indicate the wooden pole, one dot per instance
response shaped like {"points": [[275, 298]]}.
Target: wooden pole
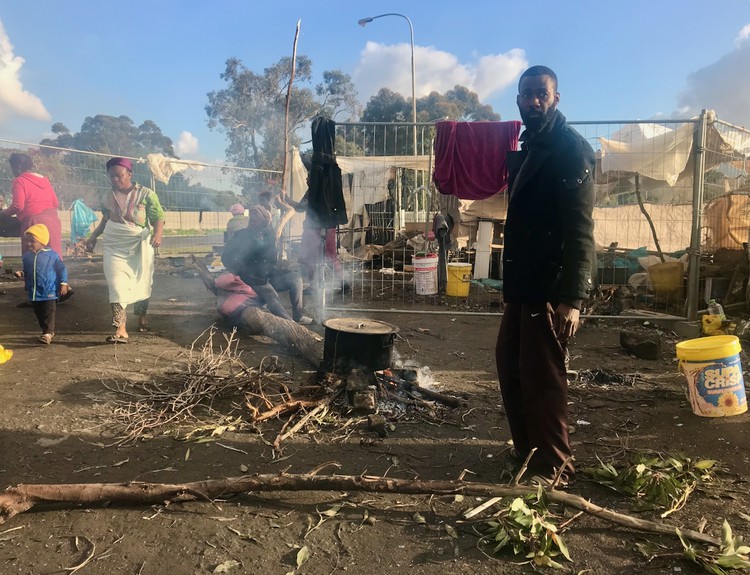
{"points": [[286, 111], [20, 498]]}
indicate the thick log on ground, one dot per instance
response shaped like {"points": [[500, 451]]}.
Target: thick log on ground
{"points": [[21, 498], [284, 331]]}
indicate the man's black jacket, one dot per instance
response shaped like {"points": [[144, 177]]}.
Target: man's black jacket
{"points": [[549, 232], [251, 254]]}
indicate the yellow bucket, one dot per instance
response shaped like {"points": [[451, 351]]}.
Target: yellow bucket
{"points": [[666, 281], [713, 371], [459, 279]]}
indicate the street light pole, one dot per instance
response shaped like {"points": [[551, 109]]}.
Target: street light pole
{"points": [[363, 22]]}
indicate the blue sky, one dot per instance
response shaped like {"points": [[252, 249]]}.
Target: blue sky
{"points": [[63, 60]]}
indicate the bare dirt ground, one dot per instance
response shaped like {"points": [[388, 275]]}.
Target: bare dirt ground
{"points": [[55, 407]]}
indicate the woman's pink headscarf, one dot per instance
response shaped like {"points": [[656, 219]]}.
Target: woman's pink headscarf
{"points": [[237, 210], [124, 162]]}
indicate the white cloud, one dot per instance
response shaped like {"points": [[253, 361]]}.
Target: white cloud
{"points": [[723, 86], [389, 66], [14, 100], [743, 35], [186, 145]]}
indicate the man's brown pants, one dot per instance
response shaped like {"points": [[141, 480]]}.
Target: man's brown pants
{"points": [[533, 383]]}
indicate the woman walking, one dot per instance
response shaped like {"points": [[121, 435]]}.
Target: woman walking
{"points": [[129, 212]]}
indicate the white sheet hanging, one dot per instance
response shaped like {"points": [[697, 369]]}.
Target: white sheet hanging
{"points": [[651, 150]]}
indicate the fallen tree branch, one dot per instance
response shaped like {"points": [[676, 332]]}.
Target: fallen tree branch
{"points": [[22, 497]]}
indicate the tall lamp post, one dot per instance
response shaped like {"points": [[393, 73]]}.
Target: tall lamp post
{"points": [[363, 22]]}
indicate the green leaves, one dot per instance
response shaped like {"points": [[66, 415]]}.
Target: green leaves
{"points": [[656, 481], [524, 527], [731, 555]]}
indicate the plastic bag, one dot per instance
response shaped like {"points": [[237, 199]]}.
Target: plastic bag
{"points": [[81, 219], [712, 325]]}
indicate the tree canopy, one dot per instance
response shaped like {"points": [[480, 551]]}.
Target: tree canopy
{"points": [[459, 104], [83, 176], [250, 110], [118, 136]]}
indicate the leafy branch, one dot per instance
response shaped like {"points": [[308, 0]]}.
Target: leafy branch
{"points": [[732, 554], [656, 481], [524, 526]]}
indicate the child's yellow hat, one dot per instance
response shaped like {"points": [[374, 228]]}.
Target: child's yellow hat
{"points": [[40, 233]]}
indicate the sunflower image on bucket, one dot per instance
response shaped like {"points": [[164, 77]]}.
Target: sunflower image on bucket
{"points": [[712, 367]]}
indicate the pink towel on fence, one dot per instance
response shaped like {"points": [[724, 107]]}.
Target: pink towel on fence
{"points": [[470, 157]]}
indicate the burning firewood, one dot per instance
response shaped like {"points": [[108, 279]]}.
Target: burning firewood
{"points": [[390, 378]]}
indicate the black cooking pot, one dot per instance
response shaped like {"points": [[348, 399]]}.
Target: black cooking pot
{"points": [[353, 343]]}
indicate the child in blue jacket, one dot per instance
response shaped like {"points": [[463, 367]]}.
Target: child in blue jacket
{"points": [[46, 279]]}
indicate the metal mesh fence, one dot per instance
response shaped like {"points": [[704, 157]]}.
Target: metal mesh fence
{"points": [[672, 215], [196, 197], [669, 195]]}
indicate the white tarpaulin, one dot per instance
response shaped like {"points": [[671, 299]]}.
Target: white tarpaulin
{"points": [[353, 163], [295, 185], [163, 168], [370, 175], [651, 150], [369, 185], [627, 226]]}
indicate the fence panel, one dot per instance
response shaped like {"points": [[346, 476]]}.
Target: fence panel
{"points": [[196, 197], [645, 189], [644, 216]]}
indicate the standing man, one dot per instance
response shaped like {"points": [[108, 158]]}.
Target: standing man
{"points": [[547, 263]]}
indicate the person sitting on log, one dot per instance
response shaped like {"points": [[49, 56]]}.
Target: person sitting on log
{"points": [[239, 305], [252, 255]]}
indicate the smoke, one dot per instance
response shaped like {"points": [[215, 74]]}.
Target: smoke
{"points": [[186, 144], [435, 70], [14, 100], [723, 86]]}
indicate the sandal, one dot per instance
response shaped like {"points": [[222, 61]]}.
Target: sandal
{"points": [[46, 338], [66, 297], [116, 339]]}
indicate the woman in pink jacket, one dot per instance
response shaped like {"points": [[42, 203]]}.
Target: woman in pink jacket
{"points": [[34, 201]]}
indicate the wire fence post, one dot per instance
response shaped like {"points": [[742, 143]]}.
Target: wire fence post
{"points": [[699, 145]]}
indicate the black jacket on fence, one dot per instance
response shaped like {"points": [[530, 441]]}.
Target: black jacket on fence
{"points": [[549, 232], [325, 194]]}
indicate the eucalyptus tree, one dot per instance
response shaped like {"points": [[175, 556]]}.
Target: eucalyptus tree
{"points": [[251, 109]]}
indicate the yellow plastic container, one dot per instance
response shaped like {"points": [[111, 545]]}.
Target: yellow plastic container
{"points": [[5, 354], [459, 279], [666, 281], [713, 371]]}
